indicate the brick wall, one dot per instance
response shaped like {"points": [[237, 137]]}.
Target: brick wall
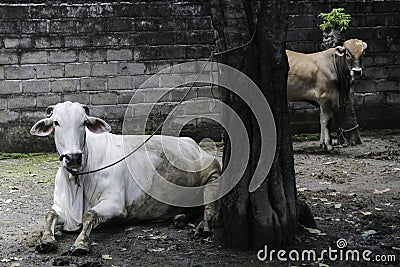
{"points": [[94, 52], [377, 93], [99, 53]]}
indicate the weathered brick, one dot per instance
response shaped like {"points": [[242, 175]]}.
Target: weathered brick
{"points": [[62, 56], [120, 83], [50, 71], [34, 57], [78, 70], [125, 97], [35, 86], [104, 99], [43, 101], [47, 42], [119, 55], [20, 72], [93, 84], [64, 85], [8, 58], [63, 26], [387, 86], [115, 112], [127, 69], [1, 73], [171, 80], [8, 116], [17, 42], [374, 99], [92, 55], [145, 81], [76, 41], [393, 98], [10, 87], [105, 69], [21, 102], [3, 103], [34, 27], [83, 98]]}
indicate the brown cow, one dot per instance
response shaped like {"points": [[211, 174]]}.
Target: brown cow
{"points": [[324, 78]]}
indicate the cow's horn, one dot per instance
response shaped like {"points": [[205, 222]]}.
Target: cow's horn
{"points": [[339, 50], [86, 108], [49, 111]]}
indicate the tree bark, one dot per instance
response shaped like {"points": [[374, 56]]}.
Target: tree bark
{"points": [[269, 215]]}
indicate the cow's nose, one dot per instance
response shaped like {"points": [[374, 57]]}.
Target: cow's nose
{"points": [[73, 159]]}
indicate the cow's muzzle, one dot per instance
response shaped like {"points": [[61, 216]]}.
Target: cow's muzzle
{"points": [[72, 160], [356, 71]]}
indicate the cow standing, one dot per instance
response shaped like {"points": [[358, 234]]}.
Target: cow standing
{"points": [[85, 201], [324, 79]]}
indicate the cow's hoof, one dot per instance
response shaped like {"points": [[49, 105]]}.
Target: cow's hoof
{"points": [[180, 221], [79, 249], [202, 230], [45, 245]]}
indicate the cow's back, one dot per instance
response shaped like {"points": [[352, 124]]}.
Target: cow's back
{"points": [[179, 161], [310, 75]]}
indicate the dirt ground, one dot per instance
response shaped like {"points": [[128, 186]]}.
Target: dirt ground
{"points": [[353, 194]]}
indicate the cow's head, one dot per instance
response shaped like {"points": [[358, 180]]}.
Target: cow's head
{"points": [[69, 121], [353, 49]]}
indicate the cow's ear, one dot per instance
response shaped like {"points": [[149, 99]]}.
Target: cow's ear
{"points": [[96, 125], [43, 127], [364, 45], [340, 50]]}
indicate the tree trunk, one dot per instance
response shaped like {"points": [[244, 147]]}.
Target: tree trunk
{"points": [[348, 132], [269, 215]]}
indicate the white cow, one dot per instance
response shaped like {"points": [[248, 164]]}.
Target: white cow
{"points": [[85, 201]]}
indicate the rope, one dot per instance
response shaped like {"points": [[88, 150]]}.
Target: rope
{"points": [[150, 136], [213, 53], [343, 131]]}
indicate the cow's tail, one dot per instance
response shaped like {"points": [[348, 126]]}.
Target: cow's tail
{"points": [[344, 78]]}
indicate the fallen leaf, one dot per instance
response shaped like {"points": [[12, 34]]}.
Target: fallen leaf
{"points": [[366, 213], [329, 163], [106, 257], [302, 189], [8, 201], [378, 192], [155, 249], [159, 237], [378, 209], [338, 206], [396, 248], [312, 230], [368, 233]]}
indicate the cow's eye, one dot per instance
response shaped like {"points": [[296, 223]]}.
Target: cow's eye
{"points": [[56, 123]]}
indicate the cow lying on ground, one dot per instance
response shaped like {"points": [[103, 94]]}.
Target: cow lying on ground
{"points": [[324, 78], [85, 201]]}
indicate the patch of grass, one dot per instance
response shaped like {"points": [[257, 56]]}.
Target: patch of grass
{"points": [[305, 137], [4, 156], [35, 167]]}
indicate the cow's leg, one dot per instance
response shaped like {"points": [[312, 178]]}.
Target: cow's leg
{"points": [[325, 117], [90, 220], [100, 213], [48, 242], [204, 227]]}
